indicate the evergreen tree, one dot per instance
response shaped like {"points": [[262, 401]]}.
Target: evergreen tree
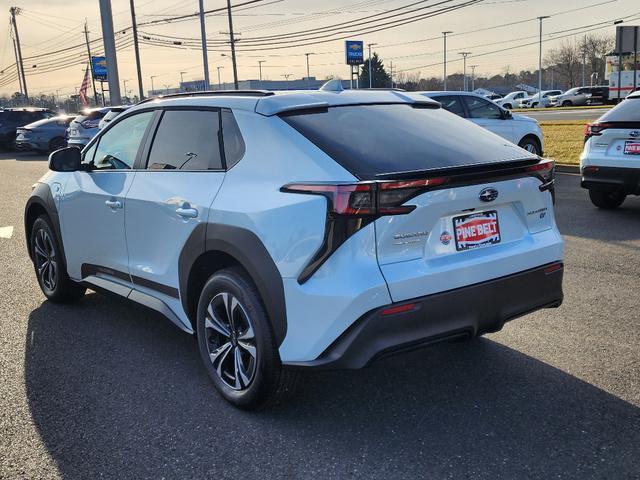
{"points": [[380, 77]]}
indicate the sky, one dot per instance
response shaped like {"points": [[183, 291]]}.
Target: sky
{"points": [[51, 25]]}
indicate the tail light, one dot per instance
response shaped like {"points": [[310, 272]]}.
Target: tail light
{"points": [[545, 172], [352, 206], [594, 130], [367, 199], [90, 123]]}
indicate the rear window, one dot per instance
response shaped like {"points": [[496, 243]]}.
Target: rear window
{"points": [[626, 111], [94, 115], [371, 140]]}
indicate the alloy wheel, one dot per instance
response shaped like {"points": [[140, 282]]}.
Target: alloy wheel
{"points": [[230, 340], [46, 261]]}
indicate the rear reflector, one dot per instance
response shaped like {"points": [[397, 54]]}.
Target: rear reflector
{"points": [[407, 307], [553, 268]]}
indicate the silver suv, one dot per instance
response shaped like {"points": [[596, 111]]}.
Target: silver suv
{"points": [[575, 97]]}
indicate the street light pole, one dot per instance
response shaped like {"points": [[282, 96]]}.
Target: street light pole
{"points": [[260, 62], [473, 77], [205, 56], [464, 69], [124, 85], [308, 81], [444, 34], [152, 88], [181, 79], [219, 83], [370, 78], [540, 61]]}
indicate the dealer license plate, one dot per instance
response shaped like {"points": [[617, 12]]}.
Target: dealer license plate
{"points": [[632, 148], [476, 230]]}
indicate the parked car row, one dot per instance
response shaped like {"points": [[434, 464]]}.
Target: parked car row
{"points": [[41, 130], [574, 97]]}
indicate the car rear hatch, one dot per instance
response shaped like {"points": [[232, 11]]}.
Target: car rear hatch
{"points": [[615, 137], [468, 230], [451, 203]]}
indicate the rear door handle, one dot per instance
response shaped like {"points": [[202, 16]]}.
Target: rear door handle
{"points": [[187, 212], [113, 204]]}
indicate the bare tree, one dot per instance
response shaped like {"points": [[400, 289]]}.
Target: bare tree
{"points": [[567, 61], [596, 48]]}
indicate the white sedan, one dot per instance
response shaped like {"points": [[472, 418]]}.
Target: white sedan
{"points": [[523, 131]]}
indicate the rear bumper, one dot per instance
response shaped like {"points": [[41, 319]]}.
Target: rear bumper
{"points": [[466, 311], [625, 180]]}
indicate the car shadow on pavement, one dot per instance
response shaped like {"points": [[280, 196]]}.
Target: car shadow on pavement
{"points": [[576, 216], [116, 391], [23, 156]]}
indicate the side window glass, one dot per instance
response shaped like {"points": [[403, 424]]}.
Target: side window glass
{"points": [[118, 147], [233, 143], [480, 108], [187, 140], [87, 156], [452, 104]]}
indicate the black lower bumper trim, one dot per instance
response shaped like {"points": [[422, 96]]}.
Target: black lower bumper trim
{"points": [[612, 179], [466, 311]]}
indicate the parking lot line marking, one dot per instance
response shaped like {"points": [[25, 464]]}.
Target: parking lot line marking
{"points": [[6, 232]]}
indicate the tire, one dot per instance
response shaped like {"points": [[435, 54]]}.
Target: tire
{"points": [[57, 143], [241, 355], [567, 103], [606, 200], [531, 145], [49, 264], [508, 106]]}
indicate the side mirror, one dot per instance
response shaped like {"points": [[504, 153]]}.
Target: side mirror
{"points": [[507, 115], [66, 159]]}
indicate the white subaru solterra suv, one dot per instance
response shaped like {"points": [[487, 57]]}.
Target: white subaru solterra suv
{"points": [[300, 230]]}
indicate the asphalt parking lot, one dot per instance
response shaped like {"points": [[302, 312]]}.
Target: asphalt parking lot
{"points": [[107, 389]]}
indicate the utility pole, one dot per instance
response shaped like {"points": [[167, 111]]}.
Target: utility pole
{"points": [[308, 81], [391, 71], [540, 61], [15, 11], [444, 34], [260, 62], [473, 77], [233, 46], [205, 57], [370, 45], [93, 80], [15, 51], [136, 48], [464, 69], [110, 52]]}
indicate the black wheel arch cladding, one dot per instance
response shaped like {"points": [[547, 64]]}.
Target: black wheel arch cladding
{"points": [[250, 253], [41, 199]]}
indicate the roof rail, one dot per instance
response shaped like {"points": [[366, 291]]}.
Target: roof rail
{"points": [[236, 93]]}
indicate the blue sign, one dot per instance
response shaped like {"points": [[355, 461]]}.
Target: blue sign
{"points": [[99, 68], [354, 52]]}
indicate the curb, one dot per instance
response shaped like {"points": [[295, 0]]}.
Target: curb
{"points": [[567, 168]]}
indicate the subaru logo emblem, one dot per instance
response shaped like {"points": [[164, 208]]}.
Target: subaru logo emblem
{"points": [[488, 194], [634, 134]]}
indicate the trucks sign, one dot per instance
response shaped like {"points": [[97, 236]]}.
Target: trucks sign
{"points": [[354, 52], [99, 68]]}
